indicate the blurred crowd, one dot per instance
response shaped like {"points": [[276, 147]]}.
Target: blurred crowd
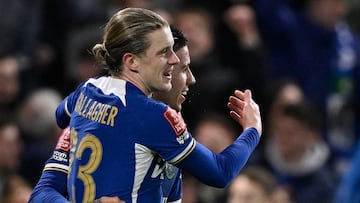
{"points": [[300, 58]]}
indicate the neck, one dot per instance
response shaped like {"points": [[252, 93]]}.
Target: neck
{"points": [[135, 80]]}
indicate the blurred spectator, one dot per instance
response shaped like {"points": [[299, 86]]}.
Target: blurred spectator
{"points": [[38, 125], [310, 42], [241, 20], [278, 94], [16, 190], [10, 149], [297, 154], [255, 185], [281, 93], [198, 26], [9, 84], [240, 48], [294, 149]]}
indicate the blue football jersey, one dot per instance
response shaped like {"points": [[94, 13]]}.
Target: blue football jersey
{"points": [[121, 141]]}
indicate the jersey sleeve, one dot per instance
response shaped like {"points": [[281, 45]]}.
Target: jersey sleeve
{"points": [[62, 114], [218, 170], [52, 185], [168, 136], [51, 188]]}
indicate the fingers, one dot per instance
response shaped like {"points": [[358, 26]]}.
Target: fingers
{"points": [[244, 110], [236, 106], [246, 95], [237, 103], [235, 116], [240, 94]]}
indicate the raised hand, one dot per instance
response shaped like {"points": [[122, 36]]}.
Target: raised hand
{"points": [[244, 110]]}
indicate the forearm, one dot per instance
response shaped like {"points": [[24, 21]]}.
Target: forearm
{"points": [[47, 195], [218, 170], [51, 188]]}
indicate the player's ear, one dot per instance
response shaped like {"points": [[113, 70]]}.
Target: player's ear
{"points": [[130, 61]]}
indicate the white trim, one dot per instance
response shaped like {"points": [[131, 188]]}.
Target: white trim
{"points": [[184, 153], [55, 165], [177, 201], [143, 160], [66, 109], [110, 85]]}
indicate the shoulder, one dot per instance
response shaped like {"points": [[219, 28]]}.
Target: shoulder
{"points": [[160, 116], [175, 120]]}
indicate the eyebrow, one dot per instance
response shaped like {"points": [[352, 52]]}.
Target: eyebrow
{"points": [[167, 48]]}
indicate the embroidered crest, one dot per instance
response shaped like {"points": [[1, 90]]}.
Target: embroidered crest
{"points": [[170, 171], [176, 121]]}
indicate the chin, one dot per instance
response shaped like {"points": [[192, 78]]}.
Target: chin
{"points": [[165, 88]]}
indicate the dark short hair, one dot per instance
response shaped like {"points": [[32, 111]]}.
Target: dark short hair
{"points": [[179, 39]]}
